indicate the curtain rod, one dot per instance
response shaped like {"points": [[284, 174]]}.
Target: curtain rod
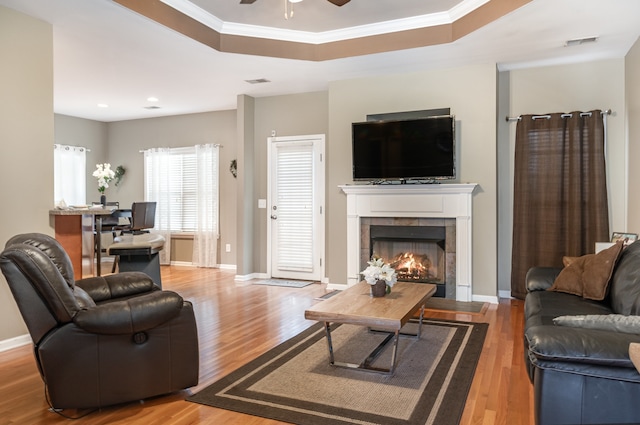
{"points": [[518, 118], [181, 147], [67, 147]]}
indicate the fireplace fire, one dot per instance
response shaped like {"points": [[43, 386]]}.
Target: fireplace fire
{"points": [[416, 253], [412, 267]]}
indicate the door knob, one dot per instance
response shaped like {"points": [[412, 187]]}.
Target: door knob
{"points": [[274, 217]]}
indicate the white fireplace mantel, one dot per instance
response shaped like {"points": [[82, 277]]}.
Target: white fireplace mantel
{"points": [[413, 201]]}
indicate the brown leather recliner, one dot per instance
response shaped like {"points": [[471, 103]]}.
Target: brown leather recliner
{"points": [[102, 340]]}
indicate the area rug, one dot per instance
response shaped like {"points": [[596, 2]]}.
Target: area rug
{"points": [[283, 282], [294, 382], [444, 304]]}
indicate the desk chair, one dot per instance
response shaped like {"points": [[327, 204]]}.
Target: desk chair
{"points": [[136, 249], [108, 222], [142, 217]]}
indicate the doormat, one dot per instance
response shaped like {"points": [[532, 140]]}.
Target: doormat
{"points": [[295, 383], [283, 282]]}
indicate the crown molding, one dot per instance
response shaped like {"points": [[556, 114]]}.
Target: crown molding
{"points": [[386, 27], [420, 31]]}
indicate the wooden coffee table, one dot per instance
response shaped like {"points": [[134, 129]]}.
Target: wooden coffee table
{"points": [[388, 314]]}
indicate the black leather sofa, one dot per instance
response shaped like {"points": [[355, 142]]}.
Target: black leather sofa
{"points": [[583, 374], [99, 341]]}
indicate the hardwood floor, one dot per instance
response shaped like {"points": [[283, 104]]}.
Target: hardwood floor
{"points": [[239, 321]]}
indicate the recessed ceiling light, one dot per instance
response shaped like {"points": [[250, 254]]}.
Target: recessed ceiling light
{"points": [[102, 105], [579, 41], [152, 99], [258, 81]]}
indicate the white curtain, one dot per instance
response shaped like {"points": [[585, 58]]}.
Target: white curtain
{"points": [[157, 167], [69, 175], [205, 239], [184, 184]]}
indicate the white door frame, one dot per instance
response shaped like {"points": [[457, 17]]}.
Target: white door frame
{"points": [[319, 194]]}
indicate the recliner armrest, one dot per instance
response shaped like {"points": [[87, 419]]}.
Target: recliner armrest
{"points": [[125, 284], [132, 315], [541, 278]]}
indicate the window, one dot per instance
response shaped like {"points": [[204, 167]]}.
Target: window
{"points": [[171, 180], [69, 175]]}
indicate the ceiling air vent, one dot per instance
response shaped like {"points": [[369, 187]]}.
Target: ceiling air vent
{"points": [[151, 107], [579, 41], [258, 81]]}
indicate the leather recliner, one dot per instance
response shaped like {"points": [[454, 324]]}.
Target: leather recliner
{"points": [[102, 340]]}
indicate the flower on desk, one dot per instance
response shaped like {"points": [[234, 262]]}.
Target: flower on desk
{"points": [[379, 270], [104, 174]]}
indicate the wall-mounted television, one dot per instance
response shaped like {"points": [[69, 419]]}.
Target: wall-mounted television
{"points": [[421, 149]]}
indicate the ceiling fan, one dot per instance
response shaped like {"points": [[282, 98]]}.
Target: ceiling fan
{"points": [[336, 2]]}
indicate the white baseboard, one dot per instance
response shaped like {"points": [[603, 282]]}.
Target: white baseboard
{"points": [[484, 299], [227, 266], [244, 278], [505, 294], [337, 286], [15, 342], [182, 264]]}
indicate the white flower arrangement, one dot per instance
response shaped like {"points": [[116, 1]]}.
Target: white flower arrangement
{"points": [[104, 174], [379, 270]]}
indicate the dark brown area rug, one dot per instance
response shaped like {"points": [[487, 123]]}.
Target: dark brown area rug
{"points": [[294, 382]]}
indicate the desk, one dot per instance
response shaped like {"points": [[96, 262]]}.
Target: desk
{"points": [[74, 231]]}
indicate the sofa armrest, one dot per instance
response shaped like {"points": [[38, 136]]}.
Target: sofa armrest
{"points": [[541, 278], [567, 344], [132, 315], [119, 285]]}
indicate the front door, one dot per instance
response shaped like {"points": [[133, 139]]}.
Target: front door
{"points": [[296, 207]]}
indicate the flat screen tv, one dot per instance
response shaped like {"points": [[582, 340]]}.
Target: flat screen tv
{"points": [[421, 149]]}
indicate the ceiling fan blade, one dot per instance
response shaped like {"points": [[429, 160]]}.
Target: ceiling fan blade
{"points": [[339, 2], [247, 1]]}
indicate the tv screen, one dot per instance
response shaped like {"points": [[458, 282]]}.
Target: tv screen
{"points": [[413, 149]]}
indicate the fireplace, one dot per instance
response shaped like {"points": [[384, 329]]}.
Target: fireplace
{"points": [[447, 204], [416, 248]]}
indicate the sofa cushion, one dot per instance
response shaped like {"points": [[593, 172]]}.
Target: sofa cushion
{"points": [[625, 284], [588, 276], [541, 307], [603, 322]]}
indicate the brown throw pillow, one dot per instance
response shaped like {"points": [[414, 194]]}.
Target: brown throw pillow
{"points": [[588, 276]]}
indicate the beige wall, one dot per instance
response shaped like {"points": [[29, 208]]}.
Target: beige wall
{"points": [[632, 85], [127, 138], [26, 134], [291, 115], [565, 88], [470, 92]]}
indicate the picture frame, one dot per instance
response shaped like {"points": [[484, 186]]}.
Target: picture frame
{"points": [[626, 237]]}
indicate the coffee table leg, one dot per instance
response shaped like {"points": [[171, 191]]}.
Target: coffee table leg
{"points": [[420, 322], [327, 330], [394, 353]]}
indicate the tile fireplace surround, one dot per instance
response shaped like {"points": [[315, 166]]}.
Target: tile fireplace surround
{"points": [[413, 201]]}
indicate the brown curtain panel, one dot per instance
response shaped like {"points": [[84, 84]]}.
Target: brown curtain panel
{"points": [[560, 191]]}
